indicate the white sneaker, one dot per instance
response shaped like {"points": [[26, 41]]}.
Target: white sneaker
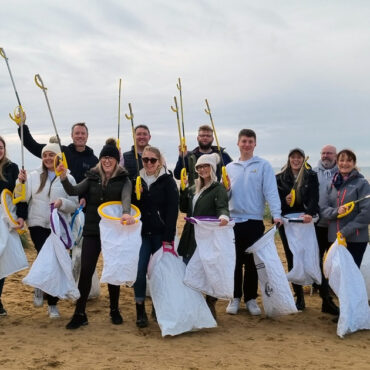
{"points": [[253, 307], [38, 298], [53, 312], [233, 306]]}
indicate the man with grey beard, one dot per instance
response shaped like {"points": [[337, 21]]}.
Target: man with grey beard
{"points": [[326, 168]]}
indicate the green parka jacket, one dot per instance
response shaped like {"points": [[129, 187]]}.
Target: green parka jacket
{"points": [[213, 201]]}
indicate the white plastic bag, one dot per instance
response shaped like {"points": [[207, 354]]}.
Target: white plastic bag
{"points": [[277, 297], [77, 224], [305, 249], [211, 268], [120, 246], [12, 256], [365, 269], [179, 309], [348, 284], [52, 270]]}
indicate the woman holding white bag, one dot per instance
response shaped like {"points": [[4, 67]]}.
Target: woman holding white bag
{"points": [[159, 210], [107, 181], [294, 173], [43, 187], [206, 198], [8, 175]]}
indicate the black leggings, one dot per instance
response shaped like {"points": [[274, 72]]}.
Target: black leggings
{"points": [[39, 235], [91, 247]]}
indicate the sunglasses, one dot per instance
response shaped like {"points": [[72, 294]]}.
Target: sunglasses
{"points": [[151, 160]]}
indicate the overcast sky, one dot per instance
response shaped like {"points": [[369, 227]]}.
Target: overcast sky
{"points": [[297, 72]]}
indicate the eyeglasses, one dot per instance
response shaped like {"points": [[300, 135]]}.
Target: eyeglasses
{"points": [[202, 167], [327, 153], [205, 135], [151, 160], [107, 158]]}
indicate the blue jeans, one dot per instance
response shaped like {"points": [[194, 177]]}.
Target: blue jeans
{"points": [[1, 285], [150, 244]]}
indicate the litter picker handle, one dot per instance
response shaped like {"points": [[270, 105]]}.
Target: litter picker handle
{"points": [[138, 187], [19, 193], [60, 158], [183, 178]]}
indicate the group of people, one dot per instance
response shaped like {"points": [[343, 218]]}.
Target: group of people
{"points": [[91, 181]]}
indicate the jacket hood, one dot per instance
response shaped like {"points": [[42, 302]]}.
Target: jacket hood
{"points": [[320, 167]]}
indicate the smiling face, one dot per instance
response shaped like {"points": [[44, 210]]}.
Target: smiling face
{"points": [[48, 160], [142, 138], [151, 162], [345, 164], [108, 165], [204, 171], [79, 136], [295, 161], [328, 156], [246, 146]]}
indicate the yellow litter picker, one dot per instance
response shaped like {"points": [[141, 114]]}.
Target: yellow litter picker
{"points": [[351, 205], [223, 168], [183, 174], [60, 157], [297, 181], [19, 193], [138, 178]]}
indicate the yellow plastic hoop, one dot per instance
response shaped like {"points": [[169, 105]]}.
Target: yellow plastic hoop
{"points": [[4, 193], [102, 214]]}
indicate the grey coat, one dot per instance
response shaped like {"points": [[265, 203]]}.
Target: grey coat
{"points": [[354, 226], [325, 177]]}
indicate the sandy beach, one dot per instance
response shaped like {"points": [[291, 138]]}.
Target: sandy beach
{"points": [[307, 340]]}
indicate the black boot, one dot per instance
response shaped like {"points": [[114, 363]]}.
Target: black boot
{"points": [[2, 310], [116, 317], [300, 303], [78, 319], [141, 317], [211, 301], [328, 306]]}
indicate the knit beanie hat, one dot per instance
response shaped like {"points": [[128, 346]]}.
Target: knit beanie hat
{"points": [[211, 159], [52, 146], [109, 151]]}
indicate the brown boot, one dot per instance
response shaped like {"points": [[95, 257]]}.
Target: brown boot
{"points": [[211, 301]]}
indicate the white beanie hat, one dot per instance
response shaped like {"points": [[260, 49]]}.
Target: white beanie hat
{"points": [[52, 146], [211, 159]]}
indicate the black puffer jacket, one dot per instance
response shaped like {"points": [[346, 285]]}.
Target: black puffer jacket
{"points": [[10, 172], [117, 189], [159, 207], [309, 192]]}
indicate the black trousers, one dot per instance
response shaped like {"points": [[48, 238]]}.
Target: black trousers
{"points": [[246, 234], [324, 245], [91, 247], [298, 290], [357, 250], [39, 235]]}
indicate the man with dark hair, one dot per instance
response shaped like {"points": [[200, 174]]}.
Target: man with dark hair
{"points": [[79, 156], [252, 183], [142, 138], [205, 139]]}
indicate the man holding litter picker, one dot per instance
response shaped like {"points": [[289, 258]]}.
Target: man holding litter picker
{"points": [[205, 140], [79, 156]]}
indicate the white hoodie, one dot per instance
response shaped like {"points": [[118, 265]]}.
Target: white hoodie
{"points": [[39, 203]]}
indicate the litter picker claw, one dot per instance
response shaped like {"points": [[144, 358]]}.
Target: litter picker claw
{"points": [[19, 193], [138, 178], [183, 174], [225, 180], [60, 157]]}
